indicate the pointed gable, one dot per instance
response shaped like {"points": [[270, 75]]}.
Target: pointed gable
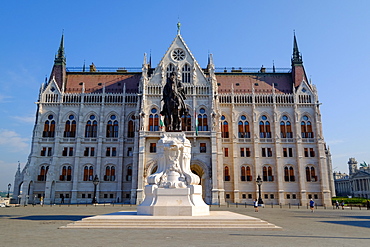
{"points": [[179, 58]]}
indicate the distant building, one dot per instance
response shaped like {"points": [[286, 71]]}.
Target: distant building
{"points": [[242, 123], [356, 184]]}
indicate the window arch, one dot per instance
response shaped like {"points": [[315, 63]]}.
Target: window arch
{"points": [[170, 68], [66, 173], [246, 174], [91, 128], [186, 122], [186, 73], [289, 174], [43, 172], [153, 120], [311, 174], [226, 173], [202, 120], [70, 127], [265, 128], [224, 127], [129, 173], [49, 127], [285, 128], [267, 174], [88, 173], [112, 127], [306, 127], [131, 127], [243, 127], [110, 173]]}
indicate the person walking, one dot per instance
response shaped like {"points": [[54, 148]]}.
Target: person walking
{"points": [[336, 205], [312, 205], [62, 198], [255, 205], [342, 204]]}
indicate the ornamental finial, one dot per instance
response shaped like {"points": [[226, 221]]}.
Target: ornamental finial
{"points": [[178, 27]]}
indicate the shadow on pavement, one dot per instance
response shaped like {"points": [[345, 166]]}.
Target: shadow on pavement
{"points": [[296, 236], [365, 224], [52, 217]]}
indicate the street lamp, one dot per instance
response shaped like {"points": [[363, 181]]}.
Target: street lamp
{"points": [[95, 182], [259, 183], [9, 185]]}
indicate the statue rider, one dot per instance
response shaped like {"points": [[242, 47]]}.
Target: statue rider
{"points": [[174, 102]]}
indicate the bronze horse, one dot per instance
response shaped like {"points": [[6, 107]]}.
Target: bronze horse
{"points": [[174, 105]]}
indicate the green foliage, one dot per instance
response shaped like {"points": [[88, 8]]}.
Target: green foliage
{"points": [[350, 201]]}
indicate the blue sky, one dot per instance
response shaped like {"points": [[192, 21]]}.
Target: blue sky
{"points": [[333, 38]]}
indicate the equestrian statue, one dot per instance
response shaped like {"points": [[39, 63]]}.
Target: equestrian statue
{"points": [[174, 103]]}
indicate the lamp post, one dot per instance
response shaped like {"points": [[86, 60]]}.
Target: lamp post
{"points": [[9, 185], [259, 183], [95, 182]]}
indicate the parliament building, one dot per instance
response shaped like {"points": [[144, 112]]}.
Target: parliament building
{"points": [[242, 123]]}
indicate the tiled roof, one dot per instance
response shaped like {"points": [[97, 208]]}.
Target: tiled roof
{"points": [[262, 83], [114, 82]]}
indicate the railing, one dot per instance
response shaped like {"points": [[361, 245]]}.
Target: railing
{"points": [[104, 69], [252, 70]]}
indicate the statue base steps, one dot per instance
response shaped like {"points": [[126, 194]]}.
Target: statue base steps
{"points": [[130, 220], [173, 201]]}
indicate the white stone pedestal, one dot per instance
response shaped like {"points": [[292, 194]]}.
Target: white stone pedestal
{"points": [[173, 190]]}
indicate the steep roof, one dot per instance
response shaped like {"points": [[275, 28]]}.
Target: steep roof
{"points": [[94, 82], [261, 82]]}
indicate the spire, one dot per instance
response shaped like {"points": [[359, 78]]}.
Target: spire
{"points": [[273, 66], [60, 57], [297, 57]]}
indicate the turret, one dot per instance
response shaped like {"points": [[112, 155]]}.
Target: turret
{"points": [[352, 166]]}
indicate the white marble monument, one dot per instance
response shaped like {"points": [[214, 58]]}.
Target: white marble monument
{"points": [[173, 190]]}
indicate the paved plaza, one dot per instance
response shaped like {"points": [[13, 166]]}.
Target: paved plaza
{"points": [[38, 226]]}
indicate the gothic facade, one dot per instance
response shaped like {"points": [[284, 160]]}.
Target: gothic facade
{"points": [[242, 123]]}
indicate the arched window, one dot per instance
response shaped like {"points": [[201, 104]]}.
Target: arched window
{"points": [[110, 173], [153, 120], [129, 173], [43, 172], [112, 127], [186, 122], [267, 174], [202, 120], [226, 173], [243, 174], [311, 174], [224, 127], [170, 69], [88, 173], [246, 173], [289, 174], [49, 127], [66, 174], [91, 128], [186, 73], [285, 128], [243, 128], [306, 128], [265, 129], [131, 127], [70, 127]]}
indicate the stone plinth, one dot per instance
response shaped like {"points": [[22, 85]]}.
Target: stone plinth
{"points": [[173, 190]]}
